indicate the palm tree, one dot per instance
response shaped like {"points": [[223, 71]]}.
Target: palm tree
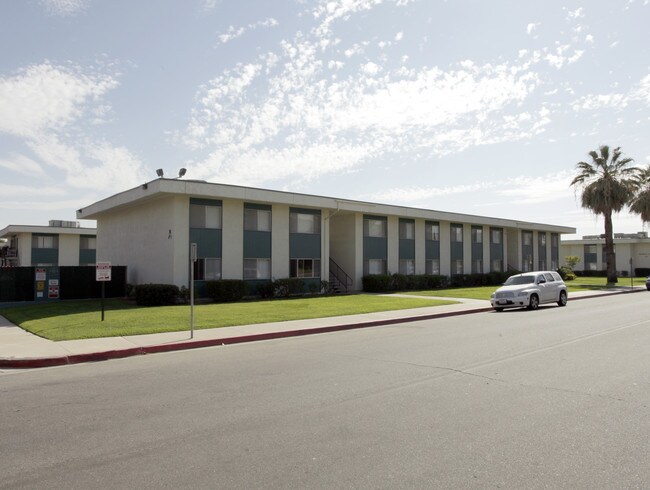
{"points": [[608, 185], [641, 202]]}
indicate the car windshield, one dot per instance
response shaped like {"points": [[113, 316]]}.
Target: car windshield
{"points": [[516, 280]]}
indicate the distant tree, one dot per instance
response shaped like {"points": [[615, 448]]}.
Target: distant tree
{"points": [[641, 201], [571, 261], [607, 185]]}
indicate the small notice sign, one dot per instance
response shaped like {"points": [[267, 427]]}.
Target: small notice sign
{"points": [[40, 275], [103, 271]]}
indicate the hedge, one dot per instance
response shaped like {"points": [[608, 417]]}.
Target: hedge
{"points": [[156, 294], [226, 290]]}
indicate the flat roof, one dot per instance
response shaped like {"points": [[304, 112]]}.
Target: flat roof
{"points": [[162, 187], [59, 230]]}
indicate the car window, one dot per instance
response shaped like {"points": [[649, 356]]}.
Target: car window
{"points": [[549, 277], [540, 279], [556, 276], [517, 280]]}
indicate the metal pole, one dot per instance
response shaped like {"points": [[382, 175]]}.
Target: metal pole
{"points": [[192, 261], [103, 294]]}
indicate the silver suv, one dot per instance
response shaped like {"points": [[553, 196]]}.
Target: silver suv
{"points": [[529, 290]]}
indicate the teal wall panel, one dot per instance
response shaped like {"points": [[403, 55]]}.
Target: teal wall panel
{"points": [[375, 248], [257, 244], [406, 249], [304, 246], [456, 250], [208, 242], [432, 249], [45, 256], [87, 256]]}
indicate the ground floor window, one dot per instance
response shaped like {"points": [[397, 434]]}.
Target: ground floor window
{"points": [[304, 268], [407, 267], [477, 266], [457, 266], [207, 269], [497, 265], [374, 266], [542, 265], [527, 265], [432, 267], [257, 268], [554, 264]]}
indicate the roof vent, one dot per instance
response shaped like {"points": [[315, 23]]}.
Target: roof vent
{"points": [[64, 224]]}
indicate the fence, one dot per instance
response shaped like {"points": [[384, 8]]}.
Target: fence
{"points": [[20, 283]]}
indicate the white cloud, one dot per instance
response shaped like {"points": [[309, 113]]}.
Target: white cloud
{"points": [[577, 13], [9, 191], [22, 165], [43, 97], [64, 8], [399, 36], [234, 33], [531, 27]]}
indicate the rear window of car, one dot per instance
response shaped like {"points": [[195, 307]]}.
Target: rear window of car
{"points": [[549, 277], [557, 276]]}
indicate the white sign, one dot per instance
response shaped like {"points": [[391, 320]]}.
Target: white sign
{"points": [[103, 271]]}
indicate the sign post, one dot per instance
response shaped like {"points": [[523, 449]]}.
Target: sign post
{"points": [[103, 274], [193, 257]]}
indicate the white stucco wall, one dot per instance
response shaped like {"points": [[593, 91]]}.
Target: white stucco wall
{"points": [[232, 258], [143, 238], [344, 244], [280, 242], [68, 250]]}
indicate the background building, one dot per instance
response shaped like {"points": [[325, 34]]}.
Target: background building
{"points": [[258, 234], [632, 252], [61, 243]]}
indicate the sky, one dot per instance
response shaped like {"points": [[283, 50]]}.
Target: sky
{"points": [[470, 106]]}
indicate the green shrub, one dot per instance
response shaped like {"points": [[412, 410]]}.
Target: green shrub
{"points": [[226, 290], [641, 272], [156, 294], [377, 283], [566, 273], [283, 288], [265, 290]]}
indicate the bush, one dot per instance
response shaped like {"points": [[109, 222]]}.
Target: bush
{"points": [[283, 288], [265, 290], [156, 294], [566, 273], [226, 290], [377, 283], [641, 272]]}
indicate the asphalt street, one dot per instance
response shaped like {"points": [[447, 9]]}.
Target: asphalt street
{"points": [[553, 398]]}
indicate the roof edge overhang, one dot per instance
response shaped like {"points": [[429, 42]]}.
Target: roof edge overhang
{"points": [[160, 188]]}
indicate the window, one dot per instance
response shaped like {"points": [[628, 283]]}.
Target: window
{"points": [[527, 237], [204, 216], [432, 231], [207, 269], [407, 230], [549, 277], [528, 263], [257, 219], [257, 269], [374, 227], [457, 266], [542, 239], [477, 235], [590, 249], [554, 240], [496, 236], [477, 266], [457, 233], [407, 267], [45, 241], [497, 265], [304, 268], [542, 265], [304, 223], [374, 266], [554, 264], [433, 267], [87, 242]]}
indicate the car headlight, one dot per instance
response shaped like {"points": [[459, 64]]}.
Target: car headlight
{"points": [[492, 296], [522, 293]]}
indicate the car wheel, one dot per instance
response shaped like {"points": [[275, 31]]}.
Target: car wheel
{"points": [[534, 302], [498, 310], [563, 299]]}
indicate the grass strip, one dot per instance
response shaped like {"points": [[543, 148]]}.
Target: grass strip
{"points": [[71, 320]]}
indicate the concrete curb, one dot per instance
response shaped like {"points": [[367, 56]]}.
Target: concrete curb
{"points": [[40, 362]]}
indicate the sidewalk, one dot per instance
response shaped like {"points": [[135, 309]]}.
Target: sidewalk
{"points": [[21, 349]]}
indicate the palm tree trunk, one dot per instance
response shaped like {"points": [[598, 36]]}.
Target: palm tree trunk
{"points": [[609, 250]]}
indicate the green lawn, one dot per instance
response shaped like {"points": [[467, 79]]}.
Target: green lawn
{"points": [[69, 320], [484, 292]]}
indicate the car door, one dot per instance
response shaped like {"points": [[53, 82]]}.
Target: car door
{"points": [[542, 285], [552, 287]]}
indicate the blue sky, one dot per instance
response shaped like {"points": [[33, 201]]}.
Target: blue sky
{"points": [[471, 106]]}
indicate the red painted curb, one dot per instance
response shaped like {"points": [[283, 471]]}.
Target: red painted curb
{"points": [[197, 344]]}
